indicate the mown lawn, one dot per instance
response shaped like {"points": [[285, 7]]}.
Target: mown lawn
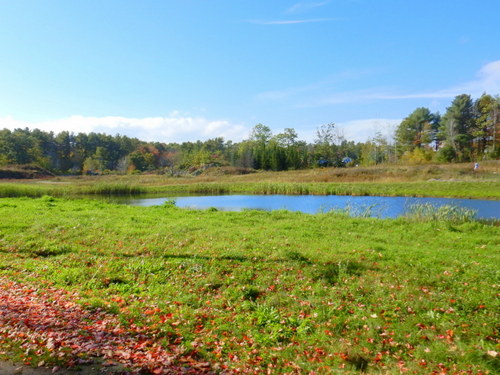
{"points": [[272, 291]]}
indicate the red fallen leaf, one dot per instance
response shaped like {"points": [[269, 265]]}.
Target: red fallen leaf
{"points": [[319, 351], [122, 354], [158, 371], [49, 319], [164, 318], [152, 311], [118, 300]]}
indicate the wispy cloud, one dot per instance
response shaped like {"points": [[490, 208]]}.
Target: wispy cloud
{"points": [[305, 6], [174, 128], [297, 8], [274, 95], [313, 89], [292, 22], [487, 80]]}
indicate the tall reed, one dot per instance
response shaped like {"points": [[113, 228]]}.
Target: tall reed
{"points": [[25, 190], [112, 189], [447, 213]]}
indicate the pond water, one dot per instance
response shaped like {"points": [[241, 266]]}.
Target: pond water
{"points": [[383, 207]]}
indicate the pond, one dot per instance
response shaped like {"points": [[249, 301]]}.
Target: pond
{"points": [[383, 207]]}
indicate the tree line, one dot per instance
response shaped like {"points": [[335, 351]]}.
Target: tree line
{"points": [[468, 131]]}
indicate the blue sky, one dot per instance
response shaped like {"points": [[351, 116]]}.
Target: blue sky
{"points": [[183, 70]]}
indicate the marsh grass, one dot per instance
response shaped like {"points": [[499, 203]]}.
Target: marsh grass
{"points": [[445, 213], [60, 190], [10, 190], [394, 173], [111, 189], [458, 189], [438, 180]]}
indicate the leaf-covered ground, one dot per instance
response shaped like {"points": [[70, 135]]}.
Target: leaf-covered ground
{"points": [[49, 322]]}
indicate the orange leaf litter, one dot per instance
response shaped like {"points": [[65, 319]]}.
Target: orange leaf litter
{"points": [[49, 320]]}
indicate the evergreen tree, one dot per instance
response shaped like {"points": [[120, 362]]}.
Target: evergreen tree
{"points": [[458, 126], [486, 133]]}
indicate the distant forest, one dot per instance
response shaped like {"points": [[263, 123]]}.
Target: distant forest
{"points": [[468, 131]]}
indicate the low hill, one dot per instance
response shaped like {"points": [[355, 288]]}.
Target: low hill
{"points": [[28, 171]]}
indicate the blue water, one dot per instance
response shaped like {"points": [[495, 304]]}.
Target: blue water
{"points": [[384, 207]]}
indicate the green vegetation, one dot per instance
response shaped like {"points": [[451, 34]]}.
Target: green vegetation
{"points": [[272, 291], [468, 131]]}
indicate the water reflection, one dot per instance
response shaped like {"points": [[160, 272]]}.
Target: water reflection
{"points": [[383, 207]]}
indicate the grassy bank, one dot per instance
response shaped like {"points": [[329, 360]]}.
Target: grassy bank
{"points": [[451, 189], [455, 181], [275, 291]]}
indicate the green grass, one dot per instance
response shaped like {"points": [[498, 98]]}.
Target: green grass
{"points": [[272, 290]]}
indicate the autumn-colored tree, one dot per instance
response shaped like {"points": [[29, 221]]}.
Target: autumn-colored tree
{"points": [[418, 130]]}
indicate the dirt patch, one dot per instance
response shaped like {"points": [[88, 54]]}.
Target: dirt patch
{"points": [[9, 368], [14, 369]]}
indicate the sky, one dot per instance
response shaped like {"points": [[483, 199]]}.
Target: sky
{"points": [[187, 70]]}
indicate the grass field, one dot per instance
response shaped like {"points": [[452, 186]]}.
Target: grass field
{"points": [[276, 292]]}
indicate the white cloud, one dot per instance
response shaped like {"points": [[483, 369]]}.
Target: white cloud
{"points": [[358, 130], [181, 129], [301, 7], [488, 80], [291, 22], [174, 128], [362, 130]]}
